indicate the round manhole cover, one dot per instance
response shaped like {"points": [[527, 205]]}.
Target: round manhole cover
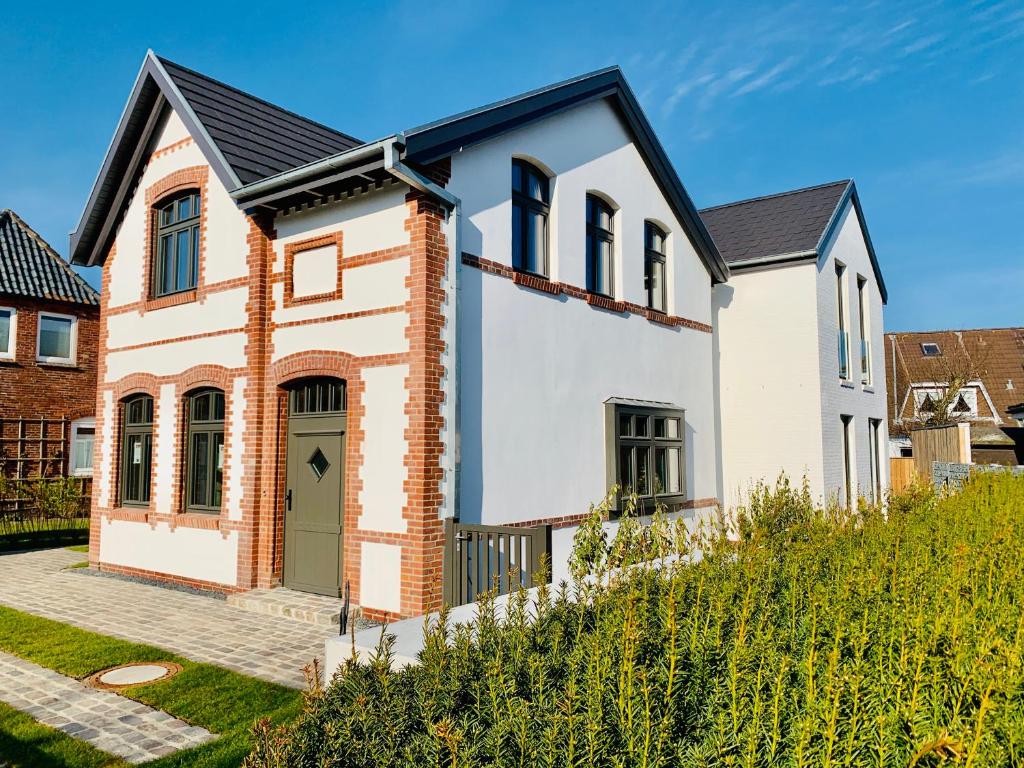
{"points": [[139, 673]]}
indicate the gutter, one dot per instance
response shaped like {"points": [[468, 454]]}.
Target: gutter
{"points": [[778, 258], [393, 164]]}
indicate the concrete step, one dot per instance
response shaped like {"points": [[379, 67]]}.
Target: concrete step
{"points": [[287, 603]]}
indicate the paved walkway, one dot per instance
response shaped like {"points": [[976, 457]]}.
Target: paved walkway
{"points": [[197, 627], [109, 722]]}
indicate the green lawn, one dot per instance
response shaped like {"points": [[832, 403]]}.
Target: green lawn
{"points": [[222, 701]]}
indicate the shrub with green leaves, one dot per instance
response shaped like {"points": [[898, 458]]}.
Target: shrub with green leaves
{"points": [[814, 637]]}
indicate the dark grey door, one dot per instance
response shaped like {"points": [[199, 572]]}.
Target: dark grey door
{"points": [[314, 496]]}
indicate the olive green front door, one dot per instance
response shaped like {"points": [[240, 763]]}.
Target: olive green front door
{"points": [[313, 503]]}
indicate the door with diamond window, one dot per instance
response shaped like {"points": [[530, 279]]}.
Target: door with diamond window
{"points": [[315, 491]]}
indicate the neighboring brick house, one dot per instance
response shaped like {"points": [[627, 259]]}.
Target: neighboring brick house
{"points": [[49, 319], [920, 365], [798, 332], [316, 351]]}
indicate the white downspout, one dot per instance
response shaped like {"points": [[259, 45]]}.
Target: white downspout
{"points": [[416, 180]]}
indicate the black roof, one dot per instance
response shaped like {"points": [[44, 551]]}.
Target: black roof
{"points": [[30, 268], [788, 222], [255, 137], [787, 226]]}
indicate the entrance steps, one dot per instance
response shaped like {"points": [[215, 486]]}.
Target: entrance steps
{"points": [[287, 603]]}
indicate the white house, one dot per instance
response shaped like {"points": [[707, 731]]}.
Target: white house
{"points": [[401, 365], [798, 345]]}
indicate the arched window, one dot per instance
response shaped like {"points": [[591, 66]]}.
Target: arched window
{"points": [[531, 202], [205, 445], [654, 266], [600, 246], [176, 267], [137, 450]]}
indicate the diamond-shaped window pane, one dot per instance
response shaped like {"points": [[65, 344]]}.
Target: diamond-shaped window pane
{"points": [[318, 463]]}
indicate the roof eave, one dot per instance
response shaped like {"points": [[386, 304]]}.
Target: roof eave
{"points": [[850, 194]]}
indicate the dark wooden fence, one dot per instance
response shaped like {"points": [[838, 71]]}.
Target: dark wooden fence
{"points": [[479, 558]]}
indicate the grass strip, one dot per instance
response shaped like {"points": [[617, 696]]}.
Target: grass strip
{"points": [[224, 702]]}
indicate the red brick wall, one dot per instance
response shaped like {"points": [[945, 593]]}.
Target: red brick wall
{"points": [[34, 390]]}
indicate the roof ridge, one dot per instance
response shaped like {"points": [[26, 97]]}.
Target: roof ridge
{"points": [[164, 61], [775, 195], [955, 330], [50, 251]]}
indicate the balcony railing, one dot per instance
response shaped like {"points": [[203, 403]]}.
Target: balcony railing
{"points": [[844, 355]]}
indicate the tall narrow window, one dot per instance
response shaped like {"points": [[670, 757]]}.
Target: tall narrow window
{"points": [[137, 450], [864, 311], [843, 336], [600, 247], [205, 450], [875, 458], [654, 267], [8, 333], [83, 434], [177, 244], [846, 427], [530, 206]]}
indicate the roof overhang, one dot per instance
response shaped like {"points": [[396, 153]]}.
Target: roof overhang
{"points": [[443, 138], [849, 196], [153, 93]]}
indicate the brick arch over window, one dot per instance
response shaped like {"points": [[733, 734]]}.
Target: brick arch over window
{"points": [[301, 365], [194, 177]]}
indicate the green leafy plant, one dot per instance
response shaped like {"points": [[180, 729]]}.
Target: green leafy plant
{"points": [[815, 637]]}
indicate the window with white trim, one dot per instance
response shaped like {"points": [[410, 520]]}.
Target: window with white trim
{"points": [[83, 436], [56, 338], [8, 333]]}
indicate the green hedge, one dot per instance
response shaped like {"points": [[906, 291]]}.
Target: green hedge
{"points": [[809, 637]]}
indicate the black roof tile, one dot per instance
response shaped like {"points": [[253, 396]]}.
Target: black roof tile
{"points": [[29, 267], [256, 138], [789, 222]]}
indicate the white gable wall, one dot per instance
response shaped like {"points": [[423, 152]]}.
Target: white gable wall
{"points": [[852, 398], [536, 369]]}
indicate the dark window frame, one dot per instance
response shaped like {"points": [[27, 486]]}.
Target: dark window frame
{"points": [[527, 204], [846, 428], [211, 429], [597, 234], [168, 225], [318, 397], [653, 256], [137, 426], [650, 442]]}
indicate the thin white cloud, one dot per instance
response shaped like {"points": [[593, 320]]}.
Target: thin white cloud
{"points": [[923, 43], [766, 79]]}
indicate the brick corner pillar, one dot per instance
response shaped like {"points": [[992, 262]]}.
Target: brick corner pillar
{"points": [[423, 553]]}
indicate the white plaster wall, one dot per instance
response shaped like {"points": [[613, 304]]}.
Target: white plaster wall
{"points": [[769, 386], [359, 336], [221, 311], [227, 350], [370, 286], [588, 149], [190, 552], [383, 471], [380, 577], [536, 369], [225, 247], [857, 400]]}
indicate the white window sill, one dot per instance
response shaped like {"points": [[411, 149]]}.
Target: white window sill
{"points": [[63, 362], [846, 383]]}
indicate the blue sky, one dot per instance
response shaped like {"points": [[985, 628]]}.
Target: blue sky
{"points": [[921, 102]]}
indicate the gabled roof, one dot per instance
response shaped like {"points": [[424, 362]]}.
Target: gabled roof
{"points": [[441, 138], [244, 139], [997, 352], [30, 268], [784, 227]]}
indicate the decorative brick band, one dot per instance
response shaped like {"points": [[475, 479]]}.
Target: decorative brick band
{"points": [[600, 302], [180, 144], [165, 578]]}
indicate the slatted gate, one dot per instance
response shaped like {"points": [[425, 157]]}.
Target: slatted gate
{"points": [[483, 557]]}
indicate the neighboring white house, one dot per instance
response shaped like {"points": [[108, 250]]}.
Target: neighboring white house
{"points": [[798, 345], [317, 353]]}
